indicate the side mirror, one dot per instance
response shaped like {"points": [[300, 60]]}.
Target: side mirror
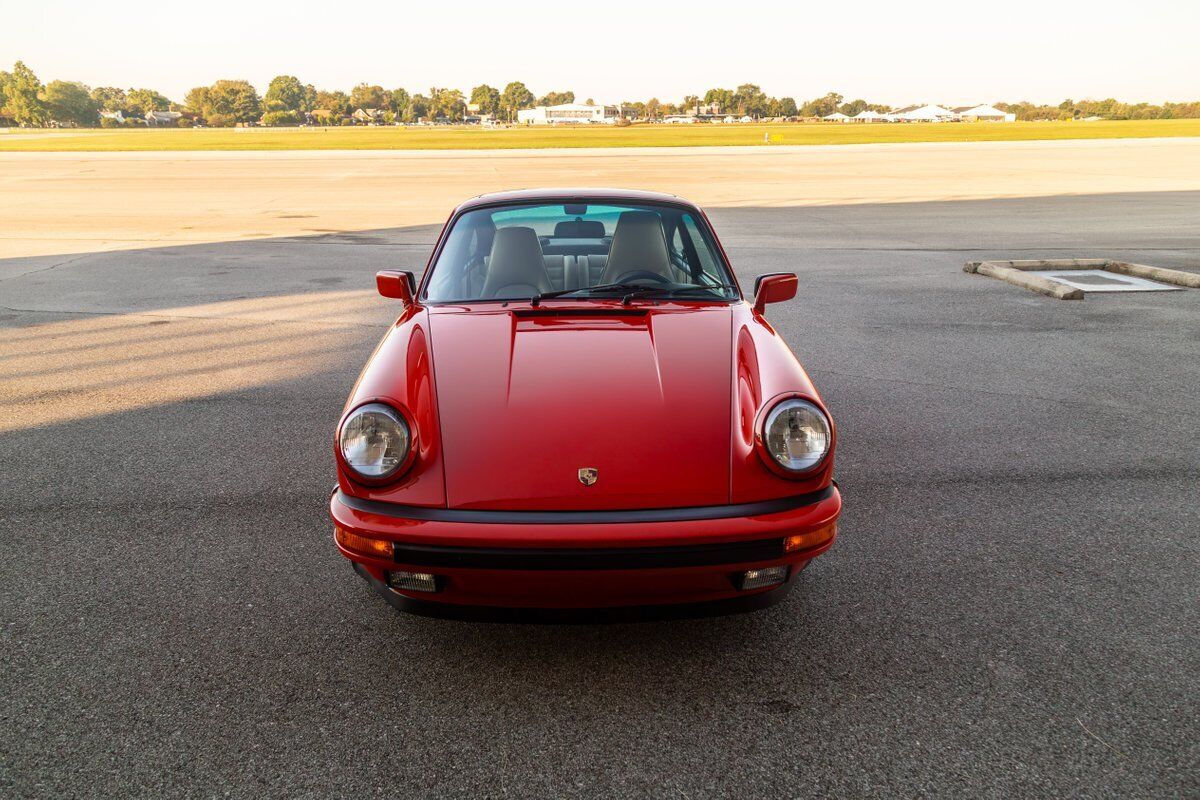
{"points": [[773, 288], [398, 285]]}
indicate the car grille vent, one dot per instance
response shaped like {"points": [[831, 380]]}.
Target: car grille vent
{"points": [[601, 311]]}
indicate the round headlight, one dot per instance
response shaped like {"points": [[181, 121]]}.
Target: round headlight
{"points": [[796, 435], [374, 440]]}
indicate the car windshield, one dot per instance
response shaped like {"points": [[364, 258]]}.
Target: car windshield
{"points": [[576, 250]]}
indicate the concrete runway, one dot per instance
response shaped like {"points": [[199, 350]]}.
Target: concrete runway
{"points": [[1011, 608]]}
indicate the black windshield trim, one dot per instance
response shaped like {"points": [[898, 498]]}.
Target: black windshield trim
{"points": [[523, 302], [701, 222]]}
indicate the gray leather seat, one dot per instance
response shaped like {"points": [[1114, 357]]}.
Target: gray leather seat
{"points": [[638, 245], [485, 237], [556, 270], [516, 267], [589, 270]]}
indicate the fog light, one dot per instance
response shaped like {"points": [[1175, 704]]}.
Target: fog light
{"points": [[379, 548], [803, 541], [758, 578], [414, 581]]}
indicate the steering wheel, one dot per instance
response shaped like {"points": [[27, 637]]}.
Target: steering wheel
{"points": [[642, 274]]}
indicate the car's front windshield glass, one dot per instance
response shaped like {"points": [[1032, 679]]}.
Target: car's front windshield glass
{"points": [[579, 251]]}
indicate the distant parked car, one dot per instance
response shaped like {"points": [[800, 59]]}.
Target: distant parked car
{"points": [[577, 408]]}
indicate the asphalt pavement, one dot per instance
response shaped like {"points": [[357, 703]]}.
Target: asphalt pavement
{"points": [[1011, 608]]}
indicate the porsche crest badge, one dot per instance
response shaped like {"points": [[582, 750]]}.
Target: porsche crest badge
{"points": [[588, 475]]}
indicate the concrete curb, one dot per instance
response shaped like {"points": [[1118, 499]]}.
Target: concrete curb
{"points": [[1014, 272], [1174, 277], [1017, 276]]}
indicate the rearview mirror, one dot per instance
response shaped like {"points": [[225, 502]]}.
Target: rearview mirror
{"points": [[773, 288], [398, 285]]}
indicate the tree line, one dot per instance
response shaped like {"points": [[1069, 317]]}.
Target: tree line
{"points": [[1106, 109], [26, 101]]}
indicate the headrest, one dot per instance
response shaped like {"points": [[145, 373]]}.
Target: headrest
{"points": [[516, 263], [638, 244], [580, 229]]}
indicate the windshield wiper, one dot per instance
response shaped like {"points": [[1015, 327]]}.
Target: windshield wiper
{"points": [[630, 289], [714, 288]]}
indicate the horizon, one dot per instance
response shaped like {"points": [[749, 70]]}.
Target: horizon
{"points": [[937, 53]]}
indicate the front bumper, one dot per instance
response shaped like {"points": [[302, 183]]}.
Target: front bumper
{"points": [[585, 560]]}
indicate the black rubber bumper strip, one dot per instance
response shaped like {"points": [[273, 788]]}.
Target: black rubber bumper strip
{"points": [[581, 558], [689, 514]]}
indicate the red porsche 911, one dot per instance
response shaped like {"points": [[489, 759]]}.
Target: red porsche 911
{"points": [[577, 409]]}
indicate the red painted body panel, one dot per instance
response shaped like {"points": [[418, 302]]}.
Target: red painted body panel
{"points": [[400, 373], [573, 194], [586, 588], [508, 402], [764, 371], [536, 398]]}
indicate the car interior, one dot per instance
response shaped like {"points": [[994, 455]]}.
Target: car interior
{"points": [[498, 256]]}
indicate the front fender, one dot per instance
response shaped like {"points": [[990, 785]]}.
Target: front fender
{"points": [[400, 373], [765, 370]]}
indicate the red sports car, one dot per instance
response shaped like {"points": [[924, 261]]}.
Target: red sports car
{"points": [[577, 409]]}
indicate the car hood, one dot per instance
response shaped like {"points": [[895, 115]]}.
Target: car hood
{"points": [[527, 399]]}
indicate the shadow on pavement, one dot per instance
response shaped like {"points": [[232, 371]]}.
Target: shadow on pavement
{"points": [[1015, 559]]}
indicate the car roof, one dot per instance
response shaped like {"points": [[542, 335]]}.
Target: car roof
{"points": [[572, 195]]}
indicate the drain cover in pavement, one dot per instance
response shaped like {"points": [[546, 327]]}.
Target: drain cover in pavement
{"points": [[1098, 280]]}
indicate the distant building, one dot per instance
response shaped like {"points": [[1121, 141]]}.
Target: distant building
{"points": [[680, 119], [925, 113], [476, 116], [836, 116], [162, 118], [115, 116], [867, 115], [936, 113], [703, 110], [983, 113], [569, 113], [368, 116]]}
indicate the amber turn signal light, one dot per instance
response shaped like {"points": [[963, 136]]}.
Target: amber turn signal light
{"points": [[379, 548], [803, 541]]}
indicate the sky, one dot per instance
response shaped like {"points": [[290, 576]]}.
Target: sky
{"points": [[613, 50]]}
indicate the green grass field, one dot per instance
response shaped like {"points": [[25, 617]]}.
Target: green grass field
{"points": [[471, 138]]}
